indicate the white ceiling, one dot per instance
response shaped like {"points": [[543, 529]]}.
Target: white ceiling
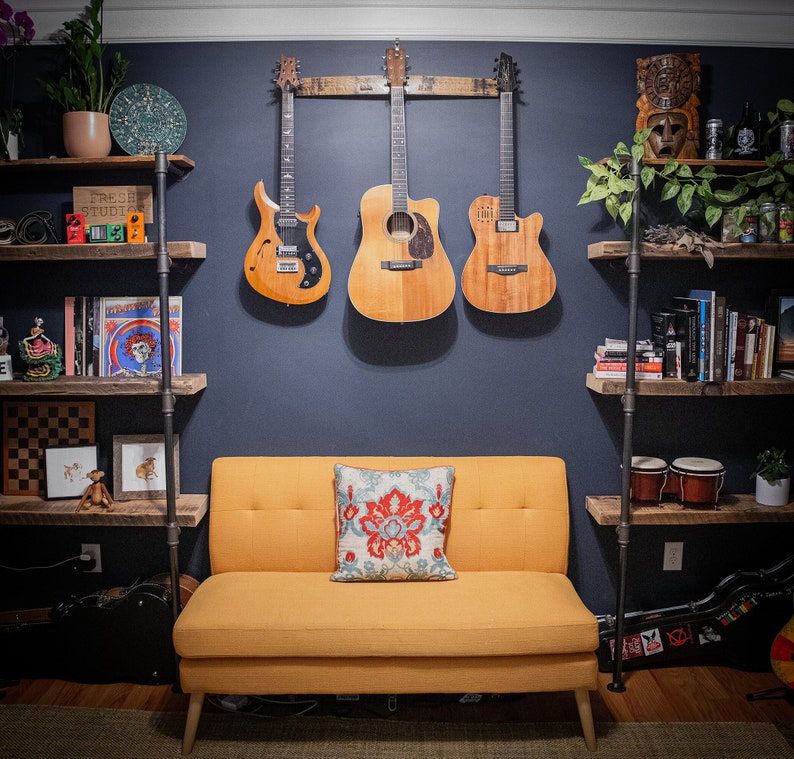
{"points": [[757, 23]]}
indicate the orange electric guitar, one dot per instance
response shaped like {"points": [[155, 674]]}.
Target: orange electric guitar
{"points": [[285, 262], [401, 272], [507, 272]]}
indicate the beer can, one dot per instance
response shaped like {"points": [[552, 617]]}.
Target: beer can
{"points": [[768, 228], [714, 136], [750, 234], [786, 223], [787, 139]]}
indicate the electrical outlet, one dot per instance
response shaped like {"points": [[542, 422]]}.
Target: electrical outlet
{"points": [[93, 550], [673, 557]]}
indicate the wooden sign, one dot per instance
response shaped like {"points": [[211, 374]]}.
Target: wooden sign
{"points": [[109, 205]]}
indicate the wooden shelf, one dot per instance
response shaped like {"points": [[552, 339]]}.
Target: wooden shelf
{"points": [[731, 509], [673, 387], [185, 384], [178, 165], [32, 510], [736, 251], [119, 251]]}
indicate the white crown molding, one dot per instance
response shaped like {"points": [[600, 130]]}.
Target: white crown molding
{"points": [[763, 23]]}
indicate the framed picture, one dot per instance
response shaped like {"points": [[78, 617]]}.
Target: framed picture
{"points": [[780, 312], [67, 470], [30, 428], [139, 467]]}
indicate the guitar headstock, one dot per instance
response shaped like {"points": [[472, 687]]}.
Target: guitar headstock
{"points": [[396, 65], [287, 74], [506, 74]]}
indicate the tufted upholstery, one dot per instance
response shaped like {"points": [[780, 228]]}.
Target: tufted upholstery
{"points": [[269, 620]]}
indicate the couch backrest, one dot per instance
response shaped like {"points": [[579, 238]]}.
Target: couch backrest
{"points": [[278, 513]]}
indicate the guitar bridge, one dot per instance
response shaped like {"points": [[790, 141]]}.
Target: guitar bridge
{"points": [[506, 269], [401, 265]]}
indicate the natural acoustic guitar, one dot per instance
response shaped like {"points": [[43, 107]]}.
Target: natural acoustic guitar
{"points": [[401, 272], [507, 272], [285, 262]]}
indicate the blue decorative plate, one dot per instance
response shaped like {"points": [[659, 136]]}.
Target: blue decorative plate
{"points": [[144, 118]]}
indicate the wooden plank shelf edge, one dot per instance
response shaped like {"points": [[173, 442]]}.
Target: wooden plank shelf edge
{"points": [[179, 164], [731, 509], [617, 250], [32, 510], [184, 384], [119, 251], [676, 387]]}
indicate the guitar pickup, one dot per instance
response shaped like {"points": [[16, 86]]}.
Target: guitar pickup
{"points": [[401, 265], [287, 267], [507, 225], [506, 269], [287, 250]]}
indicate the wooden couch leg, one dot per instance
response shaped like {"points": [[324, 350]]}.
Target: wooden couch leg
{"points": [[586, 717], [191, 723]]}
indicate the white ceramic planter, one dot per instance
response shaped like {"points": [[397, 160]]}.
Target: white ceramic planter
{"points": [[772, 492]]}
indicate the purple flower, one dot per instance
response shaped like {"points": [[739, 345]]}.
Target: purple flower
{"points": [[5, 11], [25, 24]]}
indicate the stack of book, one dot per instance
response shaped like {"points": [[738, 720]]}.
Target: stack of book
{"points": [[611, 360], [704, 339], [119, 337]]}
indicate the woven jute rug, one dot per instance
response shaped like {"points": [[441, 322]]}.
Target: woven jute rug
{"points": [[59, 732]]}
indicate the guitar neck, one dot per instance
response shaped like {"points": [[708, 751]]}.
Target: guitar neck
{"points": [[287, 186], [399, 163], [507, 191]]}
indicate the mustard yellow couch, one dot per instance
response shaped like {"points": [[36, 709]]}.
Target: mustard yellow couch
{"points": [[269, 620]]}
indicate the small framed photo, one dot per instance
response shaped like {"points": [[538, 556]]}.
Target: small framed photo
{"points": [[139, 467], [780, 312], [67, 470]]}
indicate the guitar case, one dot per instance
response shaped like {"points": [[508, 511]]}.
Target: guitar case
{"points": [[117, 635], [734, 625]]}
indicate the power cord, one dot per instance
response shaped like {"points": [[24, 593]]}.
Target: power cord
{"points": [[253, 705], [80, 557]]}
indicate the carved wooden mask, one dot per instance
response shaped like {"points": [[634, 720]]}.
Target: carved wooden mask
{"points": [[668, 103]]}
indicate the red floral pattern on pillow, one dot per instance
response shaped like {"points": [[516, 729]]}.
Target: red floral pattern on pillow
{"points": [[391, 524]]}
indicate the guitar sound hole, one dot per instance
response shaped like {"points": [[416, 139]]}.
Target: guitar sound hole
{"points": [[400, 226]]}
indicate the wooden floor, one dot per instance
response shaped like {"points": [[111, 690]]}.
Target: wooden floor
{"points": [[680, 694]]}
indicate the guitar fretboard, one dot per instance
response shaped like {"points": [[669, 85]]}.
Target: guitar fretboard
{"points": [[399, 169], [287, 216], [507, 191]]}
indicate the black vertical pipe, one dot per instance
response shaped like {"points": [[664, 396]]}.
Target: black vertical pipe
{"points": [[167, 393], [629, 405]]}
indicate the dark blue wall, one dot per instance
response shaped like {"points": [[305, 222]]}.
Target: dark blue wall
{"points": [[321, 379]]}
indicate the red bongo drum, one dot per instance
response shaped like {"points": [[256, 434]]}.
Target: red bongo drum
{"points": [[699, 481], [648, 477]]}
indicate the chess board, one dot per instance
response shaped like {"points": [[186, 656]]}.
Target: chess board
{"points": [[29, 428]]}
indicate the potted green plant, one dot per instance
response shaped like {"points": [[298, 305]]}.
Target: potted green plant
{"points": [[85, 88], [772, 478], [711, 192]]}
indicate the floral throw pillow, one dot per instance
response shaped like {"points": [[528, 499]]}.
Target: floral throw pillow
{"points": [[391, 525]]}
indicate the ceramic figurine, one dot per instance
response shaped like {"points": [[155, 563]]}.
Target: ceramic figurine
{"points": [[42, 355]]}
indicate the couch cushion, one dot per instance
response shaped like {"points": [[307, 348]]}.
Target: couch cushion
{"points": [[302, 614], [391, 524]]}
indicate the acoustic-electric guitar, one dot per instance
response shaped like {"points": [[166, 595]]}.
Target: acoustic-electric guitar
{"points": [[401, 272], [285, 262], [507, 272]]}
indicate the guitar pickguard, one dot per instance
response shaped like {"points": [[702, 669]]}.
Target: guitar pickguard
{"points": [[421, 245], [299, 251]]}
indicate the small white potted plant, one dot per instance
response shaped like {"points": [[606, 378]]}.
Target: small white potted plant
{"points": [[772, 478]]}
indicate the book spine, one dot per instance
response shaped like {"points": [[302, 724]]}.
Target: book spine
{"points": [[68, 335], [719, 337], [622, 366], [741, 342], [731, 347], [663, 334], [606, 374]]}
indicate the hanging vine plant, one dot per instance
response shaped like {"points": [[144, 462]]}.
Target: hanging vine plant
{"points": [[713, 191]]}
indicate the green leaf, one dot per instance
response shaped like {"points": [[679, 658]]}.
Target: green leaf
{"points": [[612, 206], [727, 196], [670, 190], [787, 106], [637, 152], [586, 162], [713, 215], [669, 167], [621, 149], [599, 192], [684, 201], [707, 172], [625, 213], [642, 135], [684, 172], [647, 175]]}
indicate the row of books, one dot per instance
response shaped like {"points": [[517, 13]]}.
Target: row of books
{"points": [[703, 339], [119, 336], [611, 360]]}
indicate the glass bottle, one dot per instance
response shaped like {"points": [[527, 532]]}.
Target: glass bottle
{"points": [[747, 136]]}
